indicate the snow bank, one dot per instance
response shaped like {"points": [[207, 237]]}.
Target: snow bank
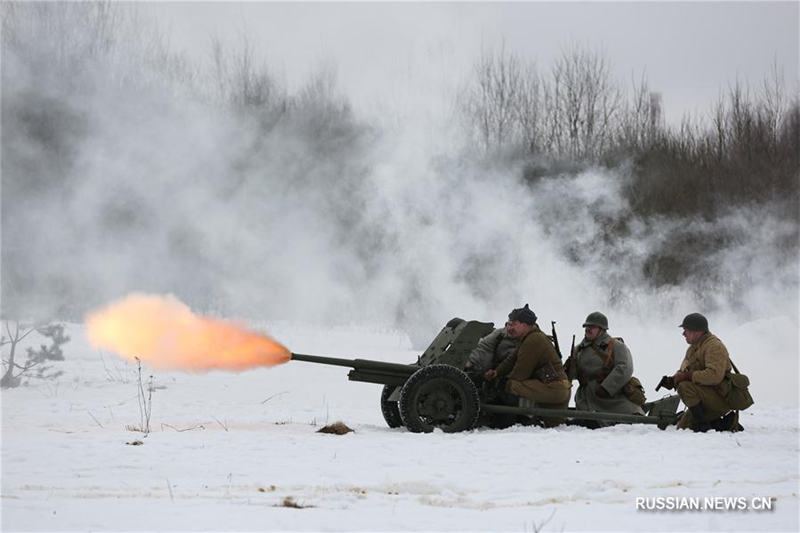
{"points": [[241, 452]]}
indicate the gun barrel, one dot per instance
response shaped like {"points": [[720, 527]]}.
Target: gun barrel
{"points": [[359, 364], [324, 360]]}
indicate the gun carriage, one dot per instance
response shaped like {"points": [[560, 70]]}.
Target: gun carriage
{"points": [[434, 392]]}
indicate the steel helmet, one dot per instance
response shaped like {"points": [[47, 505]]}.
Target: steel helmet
{"points": [[695, 322], [596, 319]]}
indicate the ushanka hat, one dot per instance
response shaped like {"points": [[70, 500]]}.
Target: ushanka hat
{"points": [[523, 314]]}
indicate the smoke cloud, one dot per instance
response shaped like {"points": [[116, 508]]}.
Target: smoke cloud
{"points": [[118, 178]]}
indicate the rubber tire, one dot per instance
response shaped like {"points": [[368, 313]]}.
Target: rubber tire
{"points": [[390, 410], [447, 384]]}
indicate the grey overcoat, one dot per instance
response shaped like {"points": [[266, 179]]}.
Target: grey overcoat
{"points": [[587, 366]]}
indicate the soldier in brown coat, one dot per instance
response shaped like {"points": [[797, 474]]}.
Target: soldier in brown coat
{"points": [[699, 379], [534, 371]]}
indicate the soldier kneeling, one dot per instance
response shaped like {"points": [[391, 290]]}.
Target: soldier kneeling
{"points": [[534, 370], [703, 380]]}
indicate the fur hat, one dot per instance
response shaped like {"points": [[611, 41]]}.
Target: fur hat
{"points": [[523, 314]]}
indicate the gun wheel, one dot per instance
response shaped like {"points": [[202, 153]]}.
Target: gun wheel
{"points": [[390, 410], [439, 396]]}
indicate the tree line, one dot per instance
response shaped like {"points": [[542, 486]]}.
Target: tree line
{"points": [[577, 112], [575, 116]]}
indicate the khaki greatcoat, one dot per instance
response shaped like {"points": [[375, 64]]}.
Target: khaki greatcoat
{"points": [[524, 370], [708, 361]]}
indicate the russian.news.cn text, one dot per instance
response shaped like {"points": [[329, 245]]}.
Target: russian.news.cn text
{"points": [[713, 503]]}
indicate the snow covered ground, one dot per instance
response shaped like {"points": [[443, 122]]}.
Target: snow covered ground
{"points": [[241, 452]]}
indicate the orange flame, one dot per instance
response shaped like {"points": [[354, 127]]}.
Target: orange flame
{"points": [[164, 332]]}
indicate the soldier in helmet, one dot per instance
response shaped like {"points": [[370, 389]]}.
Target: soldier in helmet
{"points": [[534, 370], [703, 369], [603, 367]]}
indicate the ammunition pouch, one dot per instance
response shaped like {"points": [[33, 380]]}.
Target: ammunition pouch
{"points": [[548, 372], [634, 391], [734, 388]]}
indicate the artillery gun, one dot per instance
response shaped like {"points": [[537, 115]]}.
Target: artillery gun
{"points": [[434, 392]]}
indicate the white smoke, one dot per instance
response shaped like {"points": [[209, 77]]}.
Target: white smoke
{"points": [[162, 190]]}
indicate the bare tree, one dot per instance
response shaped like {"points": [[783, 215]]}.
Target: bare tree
{"points": [[243, 82], [719, 123], [73, 41], [741, 116], [575, 112], [583, 102], [640, 122], [63, 35], [321, 110], [54, 332], [530, 110], [15, 336], [775, 104], [492, 103], [320, 95]]}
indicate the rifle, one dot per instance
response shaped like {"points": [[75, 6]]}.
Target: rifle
{"points": [[555, 339], [569, 362]]}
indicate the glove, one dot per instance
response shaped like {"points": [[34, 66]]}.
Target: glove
{"points": [[680, 377], [601, 392]]}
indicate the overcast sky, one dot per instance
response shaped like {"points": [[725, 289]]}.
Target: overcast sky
{"points": [[390, 52]]}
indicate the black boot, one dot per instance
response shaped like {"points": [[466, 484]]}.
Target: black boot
{"points": [[700, 421], [729, 422]]}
